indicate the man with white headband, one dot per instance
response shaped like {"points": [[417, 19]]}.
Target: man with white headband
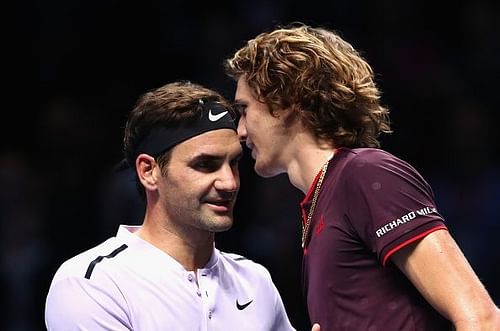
{"points": [[166, 274]]}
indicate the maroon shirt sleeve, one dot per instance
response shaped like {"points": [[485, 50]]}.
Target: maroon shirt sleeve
{"points": [[389, 204]]}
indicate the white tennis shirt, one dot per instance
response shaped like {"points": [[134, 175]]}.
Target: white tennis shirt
{"points": [[125, 283]]}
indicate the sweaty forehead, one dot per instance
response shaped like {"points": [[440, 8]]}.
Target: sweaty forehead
{"points": [[243, 90], [219, 143]]}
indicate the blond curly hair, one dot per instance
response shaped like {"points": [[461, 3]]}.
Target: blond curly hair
{"points": [[321, 77]]}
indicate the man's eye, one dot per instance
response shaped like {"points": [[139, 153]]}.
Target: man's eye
{"points": [[205, 166], [241, 109]]}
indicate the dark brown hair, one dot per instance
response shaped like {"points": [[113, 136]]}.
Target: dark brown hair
{"points": [[171, 105]]}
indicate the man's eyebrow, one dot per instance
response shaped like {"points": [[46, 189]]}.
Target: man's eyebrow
{"points": [[207, 156], [214, 157], [239, 102]]}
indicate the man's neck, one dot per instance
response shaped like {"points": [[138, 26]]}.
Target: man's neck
{"points": [[190, 248], [306, 161]]}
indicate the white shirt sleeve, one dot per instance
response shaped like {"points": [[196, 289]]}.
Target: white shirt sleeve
{"points": [[78, 304], [282, 322]]}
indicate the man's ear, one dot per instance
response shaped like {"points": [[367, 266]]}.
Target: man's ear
{"points": [[289, 116], [145, 165]]}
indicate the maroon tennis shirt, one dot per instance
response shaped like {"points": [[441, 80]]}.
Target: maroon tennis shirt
{"points": [[371, 204]]}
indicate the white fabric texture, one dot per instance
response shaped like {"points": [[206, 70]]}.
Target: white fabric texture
{"points": [[143, 288]]}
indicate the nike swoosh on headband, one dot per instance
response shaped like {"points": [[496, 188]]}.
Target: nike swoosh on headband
{"points": [[216, 117], [162, 138]]}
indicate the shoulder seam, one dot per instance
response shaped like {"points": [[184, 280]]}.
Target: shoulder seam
{"points": [[92, 264], [234, 257]]}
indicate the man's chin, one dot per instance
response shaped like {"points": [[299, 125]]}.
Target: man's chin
{"points": [[221, 228], [220, 224], [263, 171]]}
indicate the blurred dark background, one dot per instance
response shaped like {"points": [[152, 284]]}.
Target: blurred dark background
{"points": [[73, 70]]}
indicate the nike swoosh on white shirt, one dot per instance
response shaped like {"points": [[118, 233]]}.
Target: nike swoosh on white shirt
{"points": [[243, 306], [215, 118]]}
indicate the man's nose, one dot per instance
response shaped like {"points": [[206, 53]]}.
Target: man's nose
{"points": [[242, 129], [228, 179]]}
